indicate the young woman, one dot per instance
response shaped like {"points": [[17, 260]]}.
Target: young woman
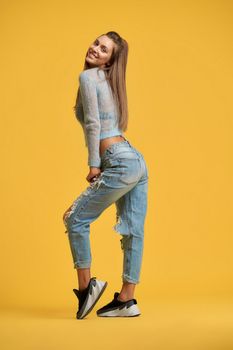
{"points": [[117, 174]]}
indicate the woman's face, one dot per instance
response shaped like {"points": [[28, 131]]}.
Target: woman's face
{"points": [[100, 51]]}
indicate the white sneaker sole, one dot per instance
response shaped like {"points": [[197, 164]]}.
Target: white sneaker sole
{"points": [[124, 312], [93, 296]]}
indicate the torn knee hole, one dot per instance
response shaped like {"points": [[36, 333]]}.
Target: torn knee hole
{"points": [[125, 242], [121, 225]]}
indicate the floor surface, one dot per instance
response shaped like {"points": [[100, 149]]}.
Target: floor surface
{"points": [[199, 325]]}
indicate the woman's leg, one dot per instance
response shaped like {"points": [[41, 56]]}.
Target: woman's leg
{"points": [[105, 191], [127, 291], [131, 212], [84, 276]]}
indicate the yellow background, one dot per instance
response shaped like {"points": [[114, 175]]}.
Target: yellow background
{"points": [[179, 84]]}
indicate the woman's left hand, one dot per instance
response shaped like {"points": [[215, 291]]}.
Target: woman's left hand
{"points": [[93, 174]]}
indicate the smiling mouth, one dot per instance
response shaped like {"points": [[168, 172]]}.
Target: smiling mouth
{"points": [[91, 54]]}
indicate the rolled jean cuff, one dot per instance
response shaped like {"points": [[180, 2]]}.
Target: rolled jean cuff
{"points": [[82, 265], [129, 280]]}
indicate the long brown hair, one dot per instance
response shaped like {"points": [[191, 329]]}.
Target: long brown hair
{"points": [[115, 73]]}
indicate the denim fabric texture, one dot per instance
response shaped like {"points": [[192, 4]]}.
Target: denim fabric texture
{"points": [[124, 181], [96, 112]]}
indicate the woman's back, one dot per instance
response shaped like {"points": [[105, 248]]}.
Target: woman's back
{"points": [[96, 111]]}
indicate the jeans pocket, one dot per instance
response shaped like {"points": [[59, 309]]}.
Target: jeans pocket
{"points": [[111, 162], [130, 170]]}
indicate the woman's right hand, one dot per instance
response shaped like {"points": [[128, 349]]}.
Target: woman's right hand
{"points": [[94, 173]]}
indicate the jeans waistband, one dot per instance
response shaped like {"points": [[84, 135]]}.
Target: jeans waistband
{"points": [[111, 148]]}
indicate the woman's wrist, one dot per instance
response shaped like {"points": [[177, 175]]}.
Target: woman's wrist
{"points": [[93, 167]]}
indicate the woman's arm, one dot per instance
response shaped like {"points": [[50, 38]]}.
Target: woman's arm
{"points": [[91, 117]]}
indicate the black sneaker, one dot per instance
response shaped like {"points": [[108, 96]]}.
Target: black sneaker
{"points": [[89, 296], [117, 308]]}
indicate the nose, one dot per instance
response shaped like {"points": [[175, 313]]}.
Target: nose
{"points": [[94, 50]]}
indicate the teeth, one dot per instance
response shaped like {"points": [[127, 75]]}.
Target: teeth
{"points": [[93, 54]]}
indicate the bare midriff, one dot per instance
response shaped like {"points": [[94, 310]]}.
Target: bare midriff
{"points": [[105, 143]]}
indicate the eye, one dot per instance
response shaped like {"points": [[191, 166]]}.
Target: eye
{"points": [[96, 42]]}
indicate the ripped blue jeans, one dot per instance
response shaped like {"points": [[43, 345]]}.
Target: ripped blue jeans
{"points": [[124, 181]]}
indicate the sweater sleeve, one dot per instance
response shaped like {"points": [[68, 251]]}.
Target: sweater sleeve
{"points": [[91, 118]]}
